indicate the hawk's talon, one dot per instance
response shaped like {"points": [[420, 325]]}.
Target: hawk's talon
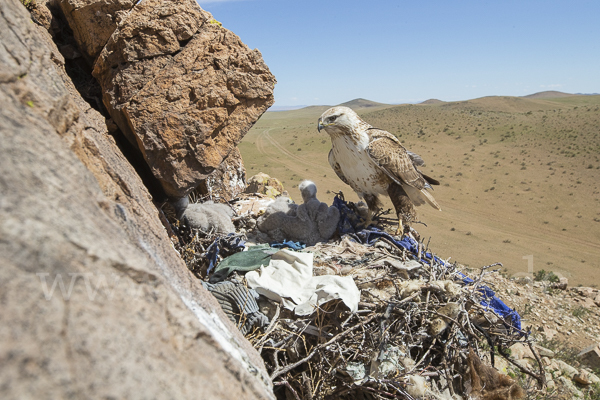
{"points": [[400, 229]]}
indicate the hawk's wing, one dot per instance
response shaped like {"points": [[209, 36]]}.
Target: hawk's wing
{"points": [[336, 167], [387, 152], [416, 159], [399, 164]]}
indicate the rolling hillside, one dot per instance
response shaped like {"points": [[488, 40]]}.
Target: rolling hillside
{"points": [[362, 103], [547, 94], [519, 175]]}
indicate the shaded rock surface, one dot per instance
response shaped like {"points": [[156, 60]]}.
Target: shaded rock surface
{"points": [[591, 355], [94, 301], [183, 88], [227, 181], [93, 22]]}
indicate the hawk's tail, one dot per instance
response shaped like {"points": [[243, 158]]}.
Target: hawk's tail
{"points": [[420, 197], [430, 200], [430, 180]]}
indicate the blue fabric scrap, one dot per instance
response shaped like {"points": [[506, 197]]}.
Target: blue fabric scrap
{"points": [[232, 243], [349, 224], [288, 244], [490, 300]]}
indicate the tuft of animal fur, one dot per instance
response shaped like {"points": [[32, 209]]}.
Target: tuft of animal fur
{"points": [[489, 384]]}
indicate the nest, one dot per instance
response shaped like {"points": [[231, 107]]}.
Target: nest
{"points": [[418, 332], [422, 341]]}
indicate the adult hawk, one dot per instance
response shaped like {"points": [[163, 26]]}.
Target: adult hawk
{"points": [[373, 162]]}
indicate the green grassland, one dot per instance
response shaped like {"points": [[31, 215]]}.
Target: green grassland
{"points": [[519, 175]]}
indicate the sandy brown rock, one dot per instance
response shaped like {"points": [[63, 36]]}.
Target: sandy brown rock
{"points": [[94, 21], [95, 302], [582, 377], [41, 14], [587, 292], [184, 89], [147, 36], [264, 184], [591, 355], [561, 284]]}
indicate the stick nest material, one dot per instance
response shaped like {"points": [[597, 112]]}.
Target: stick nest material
{"points": [[425, 339], [417, 334]]}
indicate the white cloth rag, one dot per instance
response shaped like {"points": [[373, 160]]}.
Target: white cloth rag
{"points": [[289, 280]]}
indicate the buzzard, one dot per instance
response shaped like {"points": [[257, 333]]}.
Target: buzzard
{"points": [[373, 162]]}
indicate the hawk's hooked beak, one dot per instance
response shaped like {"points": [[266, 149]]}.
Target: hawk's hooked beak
{"points": [[320, 124]]}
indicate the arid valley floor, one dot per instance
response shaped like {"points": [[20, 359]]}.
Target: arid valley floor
{"points": [[519, 175]]}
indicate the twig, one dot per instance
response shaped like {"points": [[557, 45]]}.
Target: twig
{"points": [[426, 353], [540, 379], [269, 329], [319, 347], [307, 386], [275, 362], [489, 341], [287, 384], [540, 365]]}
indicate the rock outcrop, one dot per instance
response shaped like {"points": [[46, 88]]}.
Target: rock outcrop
{"points": [[226, 182], [93, 22], [94, 300], [264, 184], [183, 88]]}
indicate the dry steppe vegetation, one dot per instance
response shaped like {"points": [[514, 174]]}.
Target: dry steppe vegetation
{"points": [[519, 175]]}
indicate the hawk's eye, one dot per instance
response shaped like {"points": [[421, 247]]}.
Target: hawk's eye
{"points": [[331, 119]]}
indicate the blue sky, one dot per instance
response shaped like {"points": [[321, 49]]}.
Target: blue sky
{"points": [[329, 52]]}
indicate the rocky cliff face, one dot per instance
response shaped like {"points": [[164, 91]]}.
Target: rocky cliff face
{"points": [[94, 300], [183, 88]]}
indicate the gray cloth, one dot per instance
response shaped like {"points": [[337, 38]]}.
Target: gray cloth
{"points": [[239, 304]]}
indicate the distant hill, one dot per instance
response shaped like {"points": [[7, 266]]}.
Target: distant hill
{"points": [[354, 104], [432, 101], [548, 94], [284, 108], [361, 103]]}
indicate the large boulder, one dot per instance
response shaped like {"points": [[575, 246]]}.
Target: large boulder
{"points": [[264, 184], [93, 22], [183, 88], [94, 300]]}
